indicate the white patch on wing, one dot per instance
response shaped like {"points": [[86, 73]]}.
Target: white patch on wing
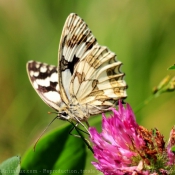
{"points": [[50, 68], [54, 77], [76, 85], [110, 93], [57, 87], [66, 81], [104, 85], [84, 89], [81, 50], [80, 67], [36, 74], [52, 95], [37, 65], [43, 82], [43, 69], [65, 50], [31, 73]]}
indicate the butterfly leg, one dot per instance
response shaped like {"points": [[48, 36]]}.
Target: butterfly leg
{"points": [[81, 124], [75, 126], [87, 124], [70, 132]]}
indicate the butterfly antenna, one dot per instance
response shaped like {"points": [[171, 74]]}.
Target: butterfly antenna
{"points": [[53, 112], [34, 148]]}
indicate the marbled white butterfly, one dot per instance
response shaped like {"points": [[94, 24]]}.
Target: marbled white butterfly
{"points": [[87, 80]]}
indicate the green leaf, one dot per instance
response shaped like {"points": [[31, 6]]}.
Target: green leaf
{"points": [[56, 153], [171, 67], [10, 166]]}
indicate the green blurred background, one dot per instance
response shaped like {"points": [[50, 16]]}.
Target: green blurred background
{"points": [[141, 33]]}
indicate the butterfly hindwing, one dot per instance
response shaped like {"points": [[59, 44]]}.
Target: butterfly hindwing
{"points": [[44, 79], [97, 80]]}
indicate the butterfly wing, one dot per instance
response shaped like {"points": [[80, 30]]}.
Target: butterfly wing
{"points": [[75, 43], [44, 79], [97, 80]]}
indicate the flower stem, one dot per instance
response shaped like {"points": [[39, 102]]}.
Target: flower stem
{"points": [[145, 102], [82, 137], [166, 85]]}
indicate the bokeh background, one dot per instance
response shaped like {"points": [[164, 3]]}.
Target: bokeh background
{"points": [[141, 33]]}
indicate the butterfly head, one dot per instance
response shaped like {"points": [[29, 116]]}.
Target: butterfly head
{"points": [[72, 112], [63, 114]]}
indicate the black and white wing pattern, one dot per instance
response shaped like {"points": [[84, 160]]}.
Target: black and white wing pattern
{"points": [[44, 79], [87, 80]]}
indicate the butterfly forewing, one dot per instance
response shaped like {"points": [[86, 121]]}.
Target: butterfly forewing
{"points": [[44, 79], [76, 42]]}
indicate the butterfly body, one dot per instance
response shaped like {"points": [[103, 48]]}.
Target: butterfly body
{"points": [[87, 80]]}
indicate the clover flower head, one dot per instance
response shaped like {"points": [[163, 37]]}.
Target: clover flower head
{"points": [[125, 148]]}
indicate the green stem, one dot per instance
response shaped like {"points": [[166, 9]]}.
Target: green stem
{"points": [[141, 105], [82, 137]]}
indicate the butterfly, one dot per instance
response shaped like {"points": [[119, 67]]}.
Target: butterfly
{"points": [[87, 80]]}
